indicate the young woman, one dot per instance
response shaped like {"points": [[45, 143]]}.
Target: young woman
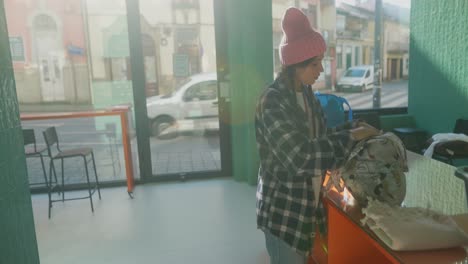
{"points": [[295, 146]]}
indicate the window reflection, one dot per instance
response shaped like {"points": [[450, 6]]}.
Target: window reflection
{"points": [[72, 56], [348, 28]]}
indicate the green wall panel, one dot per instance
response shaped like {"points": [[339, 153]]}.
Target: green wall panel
{"points": [[438, 79], [250, 56], [17, 234]]}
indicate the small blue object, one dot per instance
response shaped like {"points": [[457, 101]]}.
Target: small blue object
{"points": [[333, 108], [74, 50]]}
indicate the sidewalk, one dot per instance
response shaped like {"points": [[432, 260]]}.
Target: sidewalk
{"points": [[54, 107], [68, 107]]}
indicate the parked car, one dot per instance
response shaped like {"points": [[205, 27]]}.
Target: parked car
{"points": [[357, 78], [192, 106]]}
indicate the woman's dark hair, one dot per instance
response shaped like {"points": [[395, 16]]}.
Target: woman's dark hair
{"points": [[287, 72]]}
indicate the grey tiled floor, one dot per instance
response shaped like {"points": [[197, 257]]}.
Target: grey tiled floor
{"points": [[186, 154], [209, 221]]}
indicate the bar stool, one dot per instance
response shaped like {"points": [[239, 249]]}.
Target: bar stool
{"points": [[51, 139], [414, 139], [450, 151]]}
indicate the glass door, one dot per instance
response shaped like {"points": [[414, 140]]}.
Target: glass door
{"points": [[178, 43]]}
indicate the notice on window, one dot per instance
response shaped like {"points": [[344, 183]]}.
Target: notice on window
{"points": [[17, 48]]}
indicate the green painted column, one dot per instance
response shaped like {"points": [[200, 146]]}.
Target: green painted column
{"points": [[17, 235], [250, 63], [138, 84], [438, 79]]}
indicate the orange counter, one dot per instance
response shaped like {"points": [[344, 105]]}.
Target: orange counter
{"points": [[349, 242]]}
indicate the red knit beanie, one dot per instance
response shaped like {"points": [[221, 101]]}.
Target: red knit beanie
{"points": [[300, 42]]}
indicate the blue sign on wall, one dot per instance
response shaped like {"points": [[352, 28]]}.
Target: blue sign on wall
{"points": [[74, 50]]}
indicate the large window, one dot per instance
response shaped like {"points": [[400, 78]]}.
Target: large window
{"points": [[72, 57], [350, 30]]}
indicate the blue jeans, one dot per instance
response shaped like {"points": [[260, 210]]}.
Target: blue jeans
{"points": [[282, 253]]}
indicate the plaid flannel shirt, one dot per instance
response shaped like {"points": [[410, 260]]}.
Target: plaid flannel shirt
{"points": [[289, 160]]}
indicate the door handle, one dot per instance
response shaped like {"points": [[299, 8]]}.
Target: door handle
{"points": [[215, 103]]}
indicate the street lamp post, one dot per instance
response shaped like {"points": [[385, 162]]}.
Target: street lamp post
{"points": [[377, 54]]}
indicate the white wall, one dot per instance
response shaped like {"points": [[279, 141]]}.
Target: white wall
{"points": [[207, 36], [405, 65], [352, 44], [278, 8], [206, 12], [207, 39], [156, 11], [328, 18], [166, 55], [97, 23]]}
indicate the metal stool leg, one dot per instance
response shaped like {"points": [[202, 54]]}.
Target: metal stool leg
{"points": [[95, 175], [111, 153], [43, 170], [52, 166], [55, 177], [49, 189], [63, 181], [89, 184], [117, 152]]}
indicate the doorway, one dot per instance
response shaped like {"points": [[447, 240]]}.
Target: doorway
{"points": [[183, 115], [49, 58]]}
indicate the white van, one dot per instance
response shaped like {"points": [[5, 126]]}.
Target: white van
{"points": [[357, 78], [193, 106]]}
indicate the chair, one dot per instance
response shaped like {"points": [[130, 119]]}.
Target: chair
{"points": [[404, 126], [413, 138], [32, 151], [333, 108], [453, 150], [51, 140]]}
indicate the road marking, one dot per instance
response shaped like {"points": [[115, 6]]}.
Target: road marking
{"points": [[387, 100]]}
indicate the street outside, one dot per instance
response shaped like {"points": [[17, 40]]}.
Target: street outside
{"points": [[393, 94], [186, 153]]}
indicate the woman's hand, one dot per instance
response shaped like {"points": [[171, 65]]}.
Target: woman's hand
{"points": [[364, 124], [364, 131]]}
